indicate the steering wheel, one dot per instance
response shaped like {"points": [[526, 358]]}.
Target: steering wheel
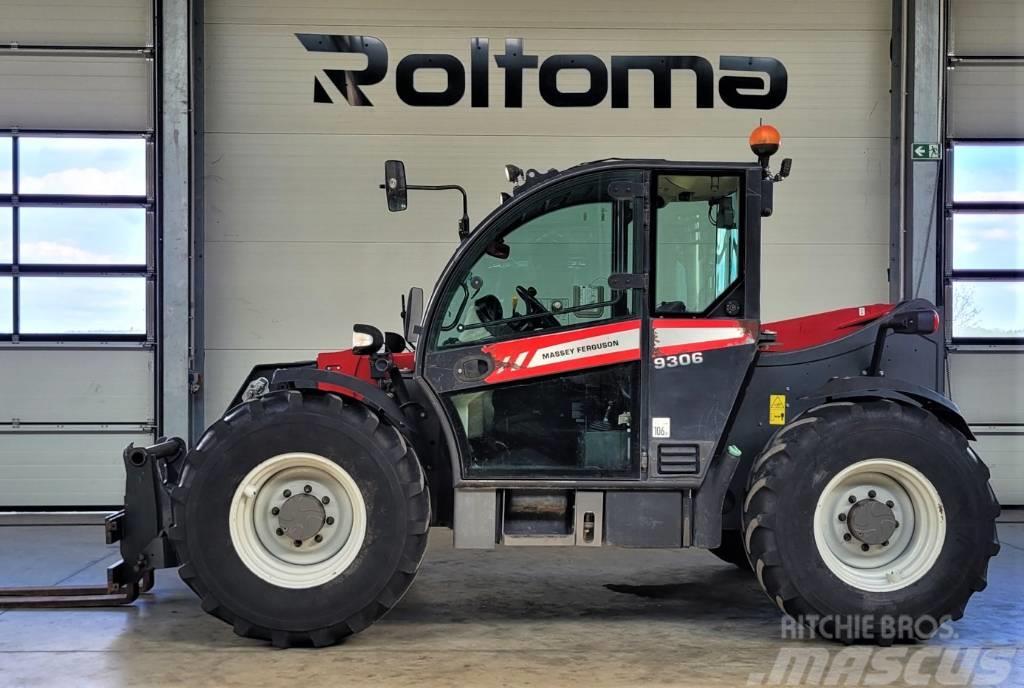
{"points": [[535, 307]]}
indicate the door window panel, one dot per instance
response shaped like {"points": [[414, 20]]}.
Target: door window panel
{"points": [[697, 252], [104, 166], [6, 165], [990, 309], [988, 173], [6, 305], [83, 305], [549, 270], [82, 236], [575, 425], [6, 235], [988, 241]]}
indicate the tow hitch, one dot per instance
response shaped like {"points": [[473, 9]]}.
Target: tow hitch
{"points": [[140, 527]]}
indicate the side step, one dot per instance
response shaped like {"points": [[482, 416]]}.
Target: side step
{"points": [[140, 527]]}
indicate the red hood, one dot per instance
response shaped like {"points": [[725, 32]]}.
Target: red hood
{"points": [[358, 365], [821, 328]]}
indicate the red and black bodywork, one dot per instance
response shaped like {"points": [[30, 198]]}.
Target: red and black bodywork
{"points": [[693, 429]]}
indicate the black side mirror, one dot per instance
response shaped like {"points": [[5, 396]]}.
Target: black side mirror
{"points": [[394, 185], [412, 315]]}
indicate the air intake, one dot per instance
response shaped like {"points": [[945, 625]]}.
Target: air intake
{"points": [[678, 459]]}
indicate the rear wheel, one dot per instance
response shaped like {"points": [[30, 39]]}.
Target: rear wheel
{"points": [[300, 518], [870, 521]]}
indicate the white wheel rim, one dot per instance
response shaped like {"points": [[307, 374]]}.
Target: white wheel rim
{"points": [[915, 541], [325, 508]]}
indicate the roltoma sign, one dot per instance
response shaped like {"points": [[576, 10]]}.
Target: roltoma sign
{"points": [[762, 86]]}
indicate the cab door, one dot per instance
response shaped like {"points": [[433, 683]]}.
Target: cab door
{"points": [[703, 302], [534, 356]]}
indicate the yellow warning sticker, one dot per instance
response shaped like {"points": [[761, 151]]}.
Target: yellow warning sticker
{"points": [[777, 409]]}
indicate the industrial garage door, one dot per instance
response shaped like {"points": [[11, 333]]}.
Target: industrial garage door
{"points": [[299, 245], [76, 248], [985, 231]]}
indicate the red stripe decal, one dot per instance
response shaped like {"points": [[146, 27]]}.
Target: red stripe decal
{"points": [[561, 352]]}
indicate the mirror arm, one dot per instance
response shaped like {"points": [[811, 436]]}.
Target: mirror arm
{"points": [[464, 220]]}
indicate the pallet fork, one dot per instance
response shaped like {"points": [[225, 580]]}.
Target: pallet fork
{"points": [[140, 527]]}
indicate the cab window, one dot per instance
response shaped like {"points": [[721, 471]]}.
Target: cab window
{"points": [[547, 268], [697, 247]]}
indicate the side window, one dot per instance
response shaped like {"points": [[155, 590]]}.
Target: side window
{"points": [[697, 251], [549, 269]]}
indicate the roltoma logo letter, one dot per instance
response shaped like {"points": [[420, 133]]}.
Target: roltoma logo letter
{"points": [[762, 88]]}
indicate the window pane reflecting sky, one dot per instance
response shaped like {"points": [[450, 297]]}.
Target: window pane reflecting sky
{"points": [[988, 173], [6, 234], [96, 166], [6, 173], [988, 309], [83, 235], [6, 305], [993, 241], [83, 305]]}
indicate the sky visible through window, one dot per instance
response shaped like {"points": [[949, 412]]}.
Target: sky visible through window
{"points": [[988, 173], [6, 176], [87, 167], [982, 240]]}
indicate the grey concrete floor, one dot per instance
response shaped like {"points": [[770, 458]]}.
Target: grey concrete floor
{"points": [[536, 617]]}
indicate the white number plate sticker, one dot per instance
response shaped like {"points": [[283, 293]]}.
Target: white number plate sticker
{"points": [[661, 428]]}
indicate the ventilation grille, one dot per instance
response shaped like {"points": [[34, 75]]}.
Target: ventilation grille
{"points": [[678, 459]]}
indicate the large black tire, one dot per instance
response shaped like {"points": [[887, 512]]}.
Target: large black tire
{"points": [[790, 476], [732, 551], [377, 458]]}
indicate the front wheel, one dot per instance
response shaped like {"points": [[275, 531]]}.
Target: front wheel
{"points": [[870, 521], [301, 518]]}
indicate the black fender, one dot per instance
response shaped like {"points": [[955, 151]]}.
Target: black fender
{"points": [[265, 371], [876, 387], [372, 396]]}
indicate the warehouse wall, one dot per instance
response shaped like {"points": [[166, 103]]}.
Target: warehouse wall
{"points": [[299, 245]]}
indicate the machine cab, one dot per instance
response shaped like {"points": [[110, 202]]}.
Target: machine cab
{"points": [[574, 335]]}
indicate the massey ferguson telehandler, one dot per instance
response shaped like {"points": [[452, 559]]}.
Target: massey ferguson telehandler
{"points": [[591, 370]]}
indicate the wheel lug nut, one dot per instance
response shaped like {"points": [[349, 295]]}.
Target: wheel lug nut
{"points": [[307, 489], [885, 544], [326, 500], [842, 517], [287, 493], [847, 537], [864, 547], [890, 504], [319, 538], [871, 494], [275, 511], [852, 499], [897, 524], [279, 531], [298, 543], [330, 520]]}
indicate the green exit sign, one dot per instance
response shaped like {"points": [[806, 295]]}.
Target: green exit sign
{"points": [[926, 151]]}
